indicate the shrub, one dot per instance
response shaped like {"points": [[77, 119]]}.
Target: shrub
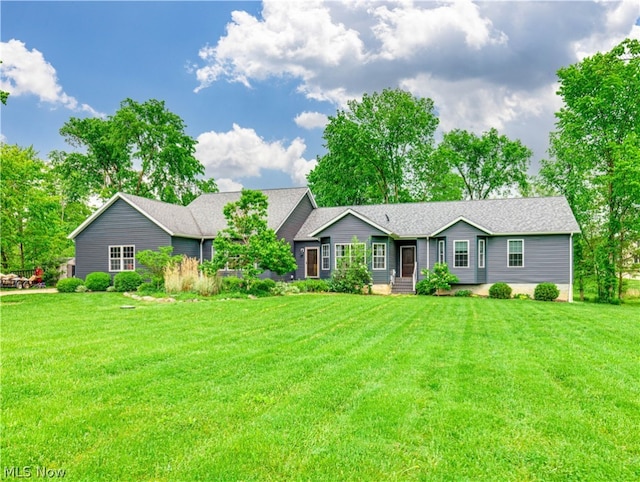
{"points": [[522, 296], [82, 289], [51, 277], [501, 291], [262, 287], [546, 292], [311, 285], [232, 284], [69, 285], [464, 293], [127, 281], [281, 288], [424, 287], [98, 281], [111, 289], [438, 280], [147, 288]]}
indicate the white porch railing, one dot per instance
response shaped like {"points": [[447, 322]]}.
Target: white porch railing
{"points": [[392, 277], [415, 276]]}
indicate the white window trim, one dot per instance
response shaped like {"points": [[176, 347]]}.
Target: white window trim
{"points": [[373, 256], [509, 253], [443, 251], [482, 253], [327, 257], [121, 258], [348, 251], [465, 241]]}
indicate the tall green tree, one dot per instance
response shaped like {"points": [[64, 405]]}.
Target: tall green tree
{"points": [[488, 165], [376, 150], [594, 157], [35, 215], [142, 149], [247, 243]]}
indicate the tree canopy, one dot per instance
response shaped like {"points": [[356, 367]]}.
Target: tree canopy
{"points": [[247, 244], [488, 165], [142, 149], [35, 214], [594, 158], [375, 149]]}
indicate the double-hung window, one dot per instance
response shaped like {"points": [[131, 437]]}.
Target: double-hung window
{"points": [[379, 255], [515, 253], [122, 258], [350, 252], [325, 257], [481, 253], [461, 254], [442, 258]]}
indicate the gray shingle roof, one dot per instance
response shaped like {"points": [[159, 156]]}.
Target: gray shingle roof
{"points": [[203, 218], [496, 216]]}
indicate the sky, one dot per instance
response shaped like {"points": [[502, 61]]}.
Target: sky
{"points": [[255, 82]]}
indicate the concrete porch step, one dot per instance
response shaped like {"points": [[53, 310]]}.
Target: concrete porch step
{"points": [[403, 286]]}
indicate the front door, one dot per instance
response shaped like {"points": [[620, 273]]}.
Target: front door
{"points": [[407, 261], [311, 263]]}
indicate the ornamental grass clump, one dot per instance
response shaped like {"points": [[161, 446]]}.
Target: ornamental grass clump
{"points": [[186, 276]]}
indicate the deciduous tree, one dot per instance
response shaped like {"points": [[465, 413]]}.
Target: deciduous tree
{"points": [[142, 149], [594, 157], [375, 150], [247, 244], [488, 165]]}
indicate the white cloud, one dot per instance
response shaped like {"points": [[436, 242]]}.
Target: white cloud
{"points": [[311, 120], [619, 23], [26, 72], [241, 153], [295, 38], [485, 64], [228, 185], [407, 29]]}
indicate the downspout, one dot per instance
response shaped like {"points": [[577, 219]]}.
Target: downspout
{"points": [[570, 297], [201, 243]]}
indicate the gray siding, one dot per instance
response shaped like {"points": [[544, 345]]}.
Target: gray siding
{"points": [[119, 225], [380, 276], [546, 258], [462, 231], [295, 220], [300, 258], [349, 226], [422, 256], [186, 246]]}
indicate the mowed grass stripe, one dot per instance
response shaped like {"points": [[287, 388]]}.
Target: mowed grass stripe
{"points": [[321, 388]]}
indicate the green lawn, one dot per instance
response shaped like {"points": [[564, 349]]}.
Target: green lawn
{"points": [[320, 387]]}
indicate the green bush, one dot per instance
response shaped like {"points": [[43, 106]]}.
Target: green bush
{"points": [[148, 288], [425, 287], [463, 293], [82, 289], [127, 281], [97, 281], [546, 292], [262, 287], [311, 285], [501, 291], [69, 285], [232, 284], [282, 288], [439, 279]]}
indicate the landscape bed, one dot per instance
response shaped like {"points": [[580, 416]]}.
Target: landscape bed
{"points": [[320, 387]]}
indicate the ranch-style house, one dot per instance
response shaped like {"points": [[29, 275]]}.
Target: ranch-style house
{"points": [[520, 241]]}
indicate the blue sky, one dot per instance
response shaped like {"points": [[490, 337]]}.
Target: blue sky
{"points": [[254, 81]]}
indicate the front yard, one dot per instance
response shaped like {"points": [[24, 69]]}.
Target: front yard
{"points": [[320, 387]]}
